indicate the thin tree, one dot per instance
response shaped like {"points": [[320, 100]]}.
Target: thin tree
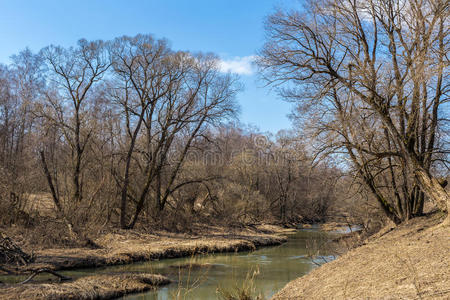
{"points": [[72, 74]]}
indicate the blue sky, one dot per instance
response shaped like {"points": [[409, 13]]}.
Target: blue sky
{"points": [[232, 29]]}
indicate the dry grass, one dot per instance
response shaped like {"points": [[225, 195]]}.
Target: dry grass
{"points": [[124, 247], [245, 290], [41, 204], [90, 287], [411, 261], [335, 226], [187, 286]]}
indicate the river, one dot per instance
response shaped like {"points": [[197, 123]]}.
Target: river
{"points": [[200, 277], [265, 271]]}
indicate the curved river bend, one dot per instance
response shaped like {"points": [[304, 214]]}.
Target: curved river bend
{"points": [[274, 267], [199, 277]]}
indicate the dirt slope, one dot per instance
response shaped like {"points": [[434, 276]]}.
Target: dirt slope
{"points": [[411, 261]]}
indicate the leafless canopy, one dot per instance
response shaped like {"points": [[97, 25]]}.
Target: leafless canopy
{"points": [[374, 77]]}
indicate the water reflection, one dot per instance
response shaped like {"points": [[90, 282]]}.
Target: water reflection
{"points": [[276, 266]]}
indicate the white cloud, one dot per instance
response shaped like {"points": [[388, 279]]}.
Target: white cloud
{"points": [[239, 65]]}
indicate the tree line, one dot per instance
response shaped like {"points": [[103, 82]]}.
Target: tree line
{"points": [[129, 131]]}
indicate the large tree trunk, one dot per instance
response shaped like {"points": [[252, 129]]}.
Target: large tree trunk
{"points": [[428, 184], [431, 187]]}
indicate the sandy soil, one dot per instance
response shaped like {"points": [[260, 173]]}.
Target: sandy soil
{"points": [[411, 261]]}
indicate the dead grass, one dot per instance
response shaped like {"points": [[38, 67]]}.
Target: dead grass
{"points": [[90, 287], [411, 261], [244, 290], [335, 226], [41, 204], [124, 247]]}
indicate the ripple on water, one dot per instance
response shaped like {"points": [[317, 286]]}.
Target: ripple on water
{"points": [[297, 257]]}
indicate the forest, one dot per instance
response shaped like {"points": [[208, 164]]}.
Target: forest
{"points": [[129, 135]]}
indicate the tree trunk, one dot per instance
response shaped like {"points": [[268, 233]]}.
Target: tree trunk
{"points": [[433, 189], [428, 184]]}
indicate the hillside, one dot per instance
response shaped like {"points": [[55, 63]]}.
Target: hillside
{"points": [[411, 261]]}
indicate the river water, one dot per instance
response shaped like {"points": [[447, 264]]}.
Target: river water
{"points": [[201, 277]]}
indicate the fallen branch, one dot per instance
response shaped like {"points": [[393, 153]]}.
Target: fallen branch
{"points": [[61, 277]]}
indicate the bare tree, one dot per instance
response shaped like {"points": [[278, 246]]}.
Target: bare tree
{"points": [[143, 78], [165, 96], [20, 85], [131, 132], [388, 57], [66, 109]]}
